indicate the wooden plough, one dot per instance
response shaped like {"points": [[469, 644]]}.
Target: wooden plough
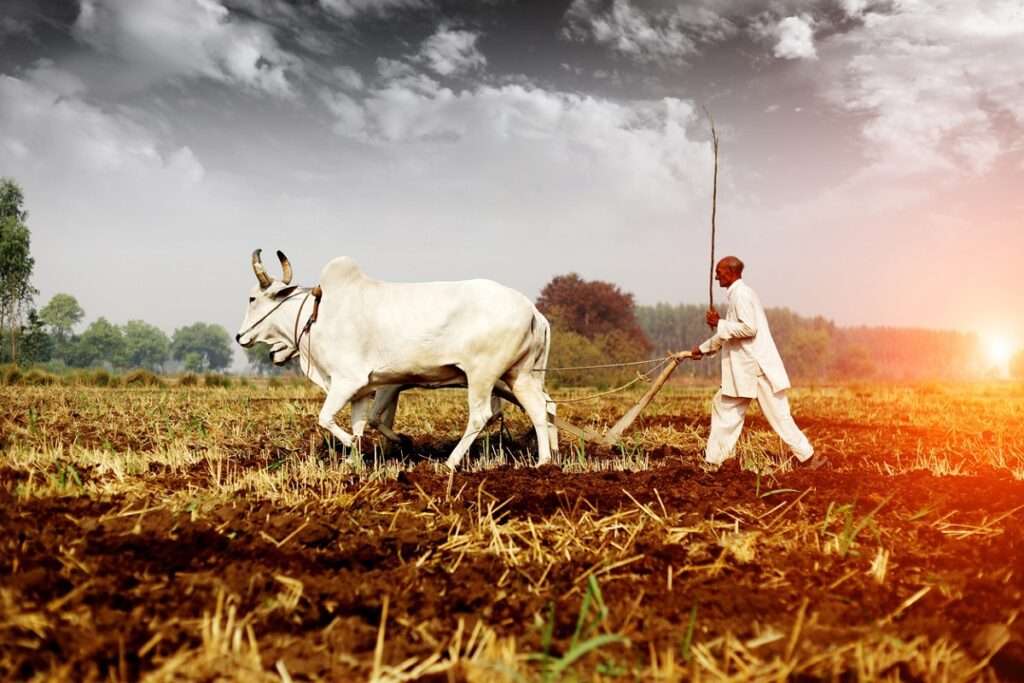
{"points": [[614, 435]]}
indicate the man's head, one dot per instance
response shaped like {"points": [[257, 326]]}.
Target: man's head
{"points": [[728, 270]]}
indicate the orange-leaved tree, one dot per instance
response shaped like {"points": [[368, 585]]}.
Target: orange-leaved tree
{"points": [[593, 323]]}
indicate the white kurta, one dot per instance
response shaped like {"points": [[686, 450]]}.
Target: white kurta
{"points": [[751, 368], [747, 347]]}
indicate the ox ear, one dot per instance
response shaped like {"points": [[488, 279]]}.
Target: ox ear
{"points": [[281, 294], [286, 268], [257, 267]]}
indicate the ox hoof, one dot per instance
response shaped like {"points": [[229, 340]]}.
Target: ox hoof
{"points": [[543, 461], [452, 464]]}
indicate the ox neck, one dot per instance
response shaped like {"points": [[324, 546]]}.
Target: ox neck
{"points": [[301, 329]]}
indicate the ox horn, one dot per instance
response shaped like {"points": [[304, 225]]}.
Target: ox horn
{"points": [[286, 267], [261, 273]]}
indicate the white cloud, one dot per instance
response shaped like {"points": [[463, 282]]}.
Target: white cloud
{"points": [[349, 78], [188, 38], [795, 38], [50, 126], [351, 8], [646, 35], [350, 118], [853, 8], [936, 77], [639, 148], [390, 69], [451, 52]]}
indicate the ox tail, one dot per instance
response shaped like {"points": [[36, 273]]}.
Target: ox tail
{"points": [[540, 323]]}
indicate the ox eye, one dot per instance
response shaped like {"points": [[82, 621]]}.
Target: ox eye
{"points": [[251, 299]]}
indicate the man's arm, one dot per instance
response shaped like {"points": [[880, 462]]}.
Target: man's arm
{"points": [[709, 348], [746, 324]]}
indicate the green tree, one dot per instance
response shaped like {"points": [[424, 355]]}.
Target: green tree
{"points": [[194, 361], [679, 328], [16, 262], [62, 313], [36, 344], [146, 346], [258, 357], [854, 362], [102, 342], [211, 342]]}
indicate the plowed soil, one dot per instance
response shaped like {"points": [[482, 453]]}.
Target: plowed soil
{"points": [[112, 583]]}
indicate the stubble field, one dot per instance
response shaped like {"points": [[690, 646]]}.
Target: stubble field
{"points": [[185, 533]]}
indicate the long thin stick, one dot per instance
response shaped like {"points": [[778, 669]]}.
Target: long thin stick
{"points": [[714, 208]]}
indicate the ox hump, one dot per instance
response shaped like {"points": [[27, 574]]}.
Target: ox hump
{"points": [[340, 270]]}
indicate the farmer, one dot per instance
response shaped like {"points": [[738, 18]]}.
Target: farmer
{"points": [[751, 368]]}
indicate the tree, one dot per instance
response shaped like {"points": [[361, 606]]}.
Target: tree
{"points": [[258, 357], [678, 328], [194, 361], [209, 341], [146, 346], [1017, 365], [854, 362], [62, 314], [102, 342], [591, 308], [16, 262], [36, 345]]}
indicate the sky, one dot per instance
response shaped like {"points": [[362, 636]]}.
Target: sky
{"points": [[871, 157]]}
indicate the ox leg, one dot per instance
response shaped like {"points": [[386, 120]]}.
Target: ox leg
{"points": [[479, 395], [382, 416], [552, 429], [360, 416], [529, 391], [338, 395]]}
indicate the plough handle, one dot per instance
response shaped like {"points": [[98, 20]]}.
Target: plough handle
{"points": [[614, 434]]}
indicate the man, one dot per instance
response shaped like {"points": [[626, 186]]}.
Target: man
{"points": [[751, 368]]}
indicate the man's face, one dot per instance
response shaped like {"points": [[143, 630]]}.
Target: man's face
{"points": [[724, 275]]}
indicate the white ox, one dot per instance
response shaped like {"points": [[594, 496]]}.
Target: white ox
{"points": [[371, 335]]}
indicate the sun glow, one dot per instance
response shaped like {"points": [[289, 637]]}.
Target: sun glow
{"points": [[1000, 350]]}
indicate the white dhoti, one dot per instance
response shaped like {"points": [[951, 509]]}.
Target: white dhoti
{"points": [[728, 412]]}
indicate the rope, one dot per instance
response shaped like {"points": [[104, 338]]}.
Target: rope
{"points": [[640, 377], [596, 367], [279, 305]]}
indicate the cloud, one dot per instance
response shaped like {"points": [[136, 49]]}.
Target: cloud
{"points": [[188, 38], [11, 27], [639, 148], [451, 52], [48, 125], [662, 36], [352, 8], [941, 83], [853, 8], [349, 78], [795, 38]]}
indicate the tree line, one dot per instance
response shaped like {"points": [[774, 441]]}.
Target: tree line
{"points": [[596, 323], [593, 322], [47, 337]]}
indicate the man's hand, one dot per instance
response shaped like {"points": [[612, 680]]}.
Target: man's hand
{"points": [[712, 318], [696, 353]]}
